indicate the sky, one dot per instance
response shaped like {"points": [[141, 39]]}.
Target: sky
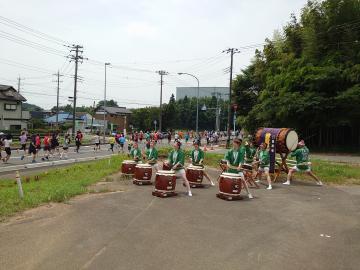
{"points": [[138, 38]]}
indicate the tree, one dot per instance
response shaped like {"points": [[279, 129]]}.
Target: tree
{"points": [[109, 103], [31, 107], [308, 79]]}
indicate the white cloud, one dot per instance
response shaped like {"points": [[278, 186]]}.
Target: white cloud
{"points": [[141, 29]]}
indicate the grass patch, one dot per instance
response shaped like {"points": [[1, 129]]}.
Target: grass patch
{"points": [[328, 172], [57, 185]]}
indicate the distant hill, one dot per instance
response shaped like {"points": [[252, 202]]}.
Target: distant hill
{"points": [[31, 107]]}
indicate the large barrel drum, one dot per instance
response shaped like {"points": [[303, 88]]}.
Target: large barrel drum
{"points": [[128, 167], [286, 138]]}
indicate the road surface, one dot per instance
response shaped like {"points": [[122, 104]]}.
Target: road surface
{"points": [[302, 226]]}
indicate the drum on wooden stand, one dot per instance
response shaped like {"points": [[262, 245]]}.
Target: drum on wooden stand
{"points": [[143, 173], [195, 175], [286, 138], [247, 170], [165, 183], [229, 186], [128, 167]]}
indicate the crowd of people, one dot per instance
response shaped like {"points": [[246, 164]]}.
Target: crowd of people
{"points": [[235, 160], [31, 145]]}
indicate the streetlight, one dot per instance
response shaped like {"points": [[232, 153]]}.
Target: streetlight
{"points": [[104, 107], [197, 100]]}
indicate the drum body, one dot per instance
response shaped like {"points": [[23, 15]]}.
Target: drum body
{"points": [[286, 138], [247, 167], [165, 183], [195, 175], [143, 173], [229, 186], [166, 166], [128, 167]]}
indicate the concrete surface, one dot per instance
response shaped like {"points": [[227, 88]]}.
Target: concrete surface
{"points": [[302, 226]]}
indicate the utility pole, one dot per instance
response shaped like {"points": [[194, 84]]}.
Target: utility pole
{"points": [[19, 84], [217, 121], [76, 57], [218, 109], [232, 51], [104, 107], [57, 95], [92, 118], [161, 73]]}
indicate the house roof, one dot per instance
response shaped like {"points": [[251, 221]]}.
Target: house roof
{"points": [[39, 114], [7, 92], [115, 110], [62, 117]]}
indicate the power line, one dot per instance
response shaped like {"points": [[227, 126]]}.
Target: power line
{"points": [[31, 44], [31, 31]]}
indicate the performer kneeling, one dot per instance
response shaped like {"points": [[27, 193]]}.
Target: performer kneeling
{"points": [[176, 161], [264, 163], [234, 158], [135, 152], [302, 163], [151, 156], [197, 159]]}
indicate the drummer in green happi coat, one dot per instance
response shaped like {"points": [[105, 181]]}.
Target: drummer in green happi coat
{"points": [[197, 158], [151, 156], [135, 152], [235, 158]]}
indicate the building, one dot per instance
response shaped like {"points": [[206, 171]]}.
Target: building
{"points": [[117, 117], [12, 117], [222, 92]]}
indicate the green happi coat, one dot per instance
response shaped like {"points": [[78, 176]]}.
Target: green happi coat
{"points": [[302, 157], [196, 159], [177, 157], [235, 158], [264, 158], [152, 155], [135, 154], [249, 154]]}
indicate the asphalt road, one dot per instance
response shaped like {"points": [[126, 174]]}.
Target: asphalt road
{"points": [[302, 226]]}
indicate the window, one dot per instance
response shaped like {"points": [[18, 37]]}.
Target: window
{"points": [[15, 127], [10, 107]]}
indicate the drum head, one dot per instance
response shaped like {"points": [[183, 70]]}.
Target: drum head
{"points": [[143, 165], [292, 140], [232, 175], [129, 161], [194, 167], [166, 172]]}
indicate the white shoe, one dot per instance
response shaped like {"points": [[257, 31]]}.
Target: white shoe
{"points": [[212, 184], [269, 187], [319, 183], [287, 183], [250, 196], [189, 194], [257, 181]]}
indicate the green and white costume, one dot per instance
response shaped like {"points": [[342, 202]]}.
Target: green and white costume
{"points": [[177, 157], [197, 157], [302, 158], [151, 155], [249, 154], [135, 154], [264, 160], [235, 158]]}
